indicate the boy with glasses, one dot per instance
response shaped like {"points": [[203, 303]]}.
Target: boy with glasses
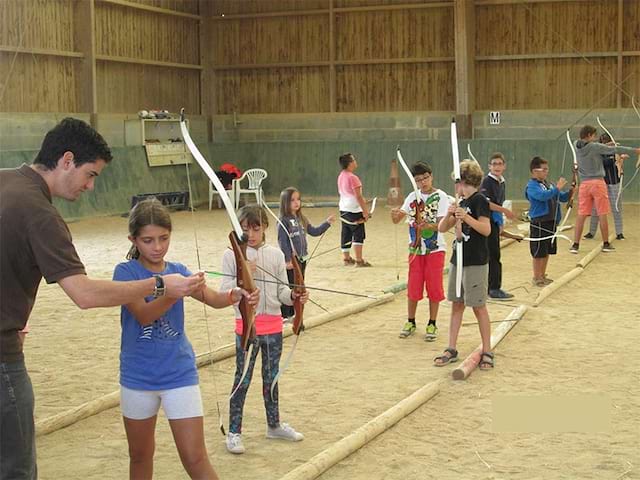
{"points": [[427, 248], [494, 188], [545, 215]]}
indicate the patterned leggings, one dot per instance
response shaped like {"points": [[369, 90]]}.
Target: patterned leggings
{"points": [[271, 347]]}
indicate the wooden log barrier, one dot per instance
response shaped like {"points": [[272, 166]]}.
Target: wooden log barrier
{"points": [[471, 362], [69, 417], [588, 258], [340, 450], [563, 280], [112, 400]]}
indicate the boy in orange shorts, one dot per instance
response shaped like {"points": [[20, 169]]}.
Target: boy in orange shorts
{"points": [[593, 189]]}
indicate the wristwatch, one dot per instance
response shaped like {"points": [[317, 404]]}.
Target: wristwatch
{"points": [[158, 290]]}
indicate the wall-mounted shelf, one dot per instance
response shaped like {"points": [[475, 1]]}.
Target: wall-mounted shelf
{"points": [[161, 139]]}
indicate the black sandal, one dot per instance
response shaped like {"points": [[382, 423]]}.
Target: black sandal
{"points": [[486, 364], [445, 359]]}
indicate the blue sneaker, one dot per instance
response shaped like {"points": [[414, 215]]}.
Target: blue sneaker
{"points": [[500, 294]]}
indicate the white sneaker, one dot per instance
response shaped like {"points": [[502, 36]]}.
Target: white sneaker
{"points": [[234, 443], [284, 432]]}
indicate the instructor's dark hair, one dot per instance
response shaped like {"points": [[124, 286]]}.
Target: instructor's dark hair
{"points": [[75, 136]]}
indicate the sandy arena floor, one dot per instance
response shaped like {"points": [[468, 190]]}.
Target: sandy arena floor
{"points": [[581, 341]]}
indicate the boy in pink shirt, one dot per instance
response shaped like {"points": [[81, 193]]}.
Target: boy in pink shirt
{"points": [[353, 211]]}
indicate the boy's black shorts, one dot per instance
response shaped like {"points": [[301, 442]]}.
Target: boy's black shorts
{"points": [[351, 234], [546, 247]]}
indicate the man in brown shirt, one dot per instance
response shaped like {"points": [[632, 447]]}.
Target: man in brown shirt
{"points": [[35, 242]]}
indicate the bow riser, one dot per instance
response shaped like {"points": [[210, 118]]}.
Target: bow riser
{"points": [[244, 280], [298, 307], [298, 278]]}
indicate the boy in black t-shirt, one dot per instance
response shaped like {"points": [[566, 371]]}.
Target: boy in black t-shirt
{"points": [[474, 214]]}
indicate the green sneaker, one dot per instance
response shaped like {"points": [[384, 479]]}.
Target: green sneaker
{"points": [[432, 333], [408, 330]]}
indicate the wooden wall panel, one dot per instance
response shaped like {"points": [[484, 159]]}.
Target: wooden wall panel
{"points": [[631, 33], [405, 87], [34, 83], [545, 84], [184, 6], [37, 24], [271, 40], [278, 90], [541, 28], [375, 3], [126, 88], [262, 6], [395, 34], [126, 32], [631, 84]]}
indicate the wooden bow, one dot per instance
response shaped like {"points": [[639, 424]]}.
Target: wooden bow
{"points": [[419, 215], [574, 182], [623, 187], [299, 289], [298, 278], [244, 280], [238, 241], [362, 220], [456, 175], [619, 164]]}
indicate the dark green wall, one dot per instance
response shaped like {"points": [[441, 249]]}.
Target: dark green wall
{"points": [[312, 167]]}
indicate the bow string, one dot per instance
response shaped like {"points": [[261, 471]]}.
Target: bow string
{"points": [[238, 239]]}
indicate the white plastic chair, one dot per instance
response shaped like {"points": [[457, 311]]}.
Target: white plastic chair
{"points": [[254, 176], [212, 192]]}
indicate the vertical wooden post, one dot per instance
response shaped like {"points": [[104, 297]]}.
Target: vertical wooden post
{"points": [[84, 42], [332, 58], [207, 74], [464, 19], [620, 49]]}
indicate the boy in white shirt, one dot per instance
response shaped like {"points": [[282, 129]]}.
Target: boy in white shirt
{"points": [[427, 248]]}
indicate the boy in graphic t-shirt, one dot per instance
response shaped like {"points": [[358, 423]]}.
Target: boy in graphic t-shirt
{"points": [[353, 211], [427, 248]]}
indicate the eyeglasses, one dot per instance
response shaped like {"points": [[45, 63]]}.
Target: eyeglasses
{"points": [[419, 179], [545, 169]]}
